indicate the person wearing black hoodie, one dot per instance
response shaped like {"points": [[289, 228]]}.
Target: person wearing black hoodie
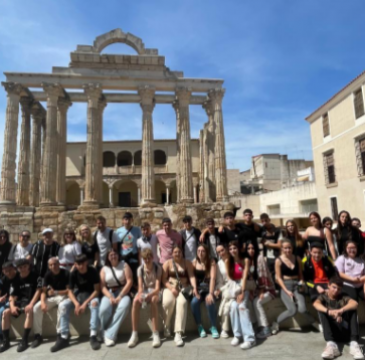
{"points": [[5, 248]]}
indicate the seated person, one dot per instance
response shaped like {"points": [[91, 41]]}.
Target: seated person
{"points": [[54, 291], [338, 316], [84, 290], [24, 294], [317, 270]]}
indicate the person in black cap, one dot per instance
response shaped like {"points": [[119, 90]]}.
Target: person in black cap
{"points": [[317, 270], [24, 294]]}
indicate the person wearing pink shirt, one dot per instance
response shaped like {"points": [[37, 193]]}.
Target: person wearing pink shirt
{"points": [[167, 239]]}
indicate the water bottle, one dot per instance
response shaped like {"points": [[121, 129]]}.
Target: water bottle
{"points": [[144, 304]]}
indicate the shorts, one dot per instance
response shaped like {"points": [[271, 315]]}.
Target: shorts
{"points": [[21, 304]]}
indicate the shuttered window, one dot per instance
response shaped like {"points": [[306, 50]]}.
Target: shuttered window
{"points": [[360, 155], [358, 103], [329, 168], [326, 125]]}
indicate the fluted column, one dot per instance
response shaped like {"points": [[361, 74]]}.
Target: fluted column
{"points": [[63, 105], [101, 106], [8, 189], [36, 154], [49, 165], [201, 167], [186, 174], [93, 170], [210, 141], [216, 97], [176, 107], [147, 94]]}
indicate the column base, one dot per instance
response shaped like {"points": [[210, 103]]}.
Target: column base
{"points": [[186, 201], [7, 206], [88, 206], [223, 199], [51, 208], [148, 203]]}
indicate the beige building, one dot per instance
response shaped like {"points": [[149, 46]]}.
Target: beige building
{"points": [[338, 142]]}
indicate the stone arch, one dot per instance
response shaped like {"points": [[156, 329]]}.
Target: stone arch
{"points": [[108, 159], [125, 193], [124, 158], [138, 158], [105, 194], [173, 192], [160, 157], [73, 198], [160, 192]]}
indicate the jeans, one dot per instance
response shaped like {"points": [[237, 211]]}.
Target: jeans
{"points": [[355, 293], [240, 319], [111, 328], [259, 309], [3, 306], [65, 308], [212, 313]]}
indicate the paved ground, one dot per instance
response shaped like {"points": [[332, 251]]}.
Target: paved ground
{"points": [[285, 345]]}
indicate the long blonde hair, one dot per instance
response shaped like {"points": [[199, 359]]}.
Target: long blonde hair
{"points": [[90, 240]]}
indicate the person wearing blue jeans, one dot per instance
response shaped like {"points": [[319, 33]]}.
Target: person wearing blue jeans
{"points": [[84, 290]]}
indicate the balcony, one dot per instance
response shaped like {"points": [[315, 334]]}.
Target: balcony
{"points": [[132, 170]]}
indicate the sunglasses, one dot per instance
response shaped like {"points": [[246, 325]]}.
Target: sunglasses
{"points": [[25, 236]]}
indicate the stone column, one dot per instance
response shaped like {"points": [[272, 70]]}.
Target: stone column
{"points": [[111, 196], [216, 97], [24, 154], [167, 195], [43, 146], [81, 195], [210, 140], [101, 106], [63, 105], [49, 165], [36, 154], [139, 196], [147, 94], [195, 195], [186, 174], [201, 167], [176, 107], [93, 171], [8, 188]]}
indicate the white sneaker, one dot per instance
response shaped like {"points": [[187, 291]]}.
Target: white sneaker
{"points": [[133, 341], [236, 341], [156, 342], [356, 351], [109, 342], [167, 333], [247, 345], [331, 352], [274, 328], [224, 334], [178, 339]]}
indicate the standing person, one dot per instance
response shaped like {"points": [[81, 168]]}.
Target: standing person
{"points": [[317, 270], [210, 237], [338, 316], [167, 239], [355, 222], [147, 241], [5, 247], [69, 250], [345, 232], [127, 243], [24, 294], [288, 272], [327, 226], [23, 249], [316, 234], [84, 290], [89, 246], [149, 286], [239, 311], [291, 233], [178, 279], [42, 251], [116, 282], [105, 238], [249, 229], [54, 291], [205, 270], [351, 269], [190, 238], [230, 231]]}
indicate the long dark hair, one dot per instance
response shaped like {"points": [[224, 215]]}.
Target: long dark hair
{"points": [[299, 242], [345, 254], [3, 232], [347, 226], [255, 257], [107, 261], [314, 213], [230, 263], [208, 262]]}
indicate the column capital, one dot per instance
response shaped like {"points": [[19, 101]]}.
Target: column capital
{"points": [[216, 95], [208, 107], [183, 95], [93, 93], [12, 88], [63, 104], [26, 104], [53, 92], [147, 94], [37, 112]]}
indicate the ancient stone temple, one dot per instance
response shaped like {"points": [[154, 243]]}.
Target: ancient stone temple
{"points": [[33, 182]]}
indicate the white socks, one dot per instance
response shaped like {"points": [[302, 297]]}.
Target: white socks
{"points": [[93, 333]]}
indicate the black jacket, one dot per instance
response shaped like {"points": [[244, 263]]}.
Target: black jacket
{"points": [[308, 269], [196, 233], [41, 256]]}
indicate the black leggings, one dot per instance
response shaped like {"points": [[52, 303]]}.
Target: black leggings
{"points": [[354, 293]]}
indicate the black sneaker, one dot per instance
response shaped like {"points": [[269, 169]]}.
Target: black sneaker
{"points": [[37, 341], [60, 344], [1, 338], [22, 346], [95, 345], [5, 346]]}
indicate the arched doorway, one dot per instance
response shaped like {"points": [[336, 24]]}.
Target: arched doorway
{"points": [[173, 192], [125, 194], [72, 194], [160, 192], [105, 195]]}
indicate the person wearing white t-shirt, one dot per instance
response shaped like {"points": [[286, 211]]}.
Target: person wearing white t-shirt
{"points": [[190, 238], [147, 241], [69, 250], [22, 249]]}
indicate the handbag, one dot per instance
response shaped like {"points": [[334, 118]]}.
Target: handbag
{"points": [[203, 288], [186, 291], [251, 285]]}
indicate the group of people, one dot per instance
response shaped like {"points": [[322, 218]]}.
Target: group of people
{"points": [[238, 265]]}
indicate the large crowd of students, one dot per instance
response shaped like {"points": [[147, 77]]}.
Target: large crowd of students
{"points": [[225, 268]]}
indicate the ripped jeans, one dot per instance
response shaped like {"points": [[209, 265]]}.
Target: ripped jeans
{"points": [[65, 308], [240, 319]]}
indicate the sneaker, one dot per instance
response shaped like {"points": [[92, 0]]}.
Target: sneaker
{"points": [[5, 346], [356, 351], [37, 341], [248, 345], [94, 343], [214, 332], [224, 334], [60, 344], [264, 333], [328, 352], [178, 339], [274, 328], [201, 331], [236, 341], [156, 341], [108, 342], [167, 333], [133, 341], [22, 346]]}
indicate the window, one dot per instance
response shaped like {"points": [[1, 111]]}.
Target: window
{"points": [[273, 209], [334, 208], [326, 125], [360, 155], [108, 159], [138, 158], [160, 157], [358, 103], [124, 158], [308, 206], [329, 168]]}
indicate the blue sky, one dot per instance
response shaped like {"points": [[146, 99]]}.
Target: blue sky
{"points": [[280, 60]]}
